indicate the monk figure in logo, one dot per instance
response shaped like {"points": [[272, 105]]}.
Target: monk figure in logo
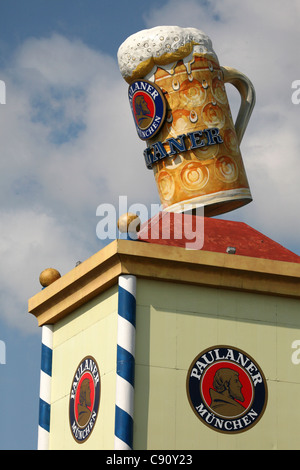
{"points": [[84, 401], [226, 390], [142, 112]]}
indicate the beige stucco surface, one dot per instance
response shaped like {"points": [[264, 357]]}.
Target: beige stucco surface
{"points": [[186, 302], [89, 331], [174, 324]]}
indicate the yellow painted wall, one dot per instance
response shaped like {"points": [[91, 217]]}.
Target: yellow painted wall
{"points": [[89, 330], [176, 322]]}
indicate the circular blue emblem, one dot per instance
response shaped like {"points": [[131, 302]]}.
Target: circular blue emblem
{"points": [[148, 106], [227, 389]]}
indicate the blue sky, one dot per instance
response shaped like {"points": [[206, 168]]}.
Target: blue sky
{"points": [[68, 144]]}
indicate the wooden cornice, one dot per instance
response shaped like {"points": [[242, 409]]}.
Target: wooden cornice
{"points": [[162, 263]]}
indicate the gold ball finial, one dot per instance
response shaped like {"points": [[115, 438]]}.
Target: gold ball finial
{"points": [[129, 222], [48, 276]]}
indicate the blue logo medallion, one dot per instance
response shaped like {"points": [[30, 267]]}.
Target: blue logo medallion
{"points": [[148, 106], [227, 389]]}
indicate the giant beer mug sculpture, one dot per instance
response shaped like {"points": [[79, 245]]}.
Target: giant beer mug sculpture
{"points": [[181, 111]]}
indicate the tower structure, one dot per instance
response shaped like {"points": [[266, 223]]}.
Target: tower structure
{"points": [[148, 324], [189, 336]]}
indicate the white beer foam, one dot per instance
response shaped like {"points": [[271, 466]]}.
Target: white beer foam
{"points": [[161, 45]]}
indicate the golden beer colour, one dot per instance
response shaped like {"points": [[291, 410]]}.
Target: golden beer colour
{"points": [[187, 71]]}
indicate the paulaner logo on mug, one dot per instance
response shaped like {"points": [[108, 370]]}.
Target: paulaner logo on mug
{"points": [[148, 108], [194, 153]]}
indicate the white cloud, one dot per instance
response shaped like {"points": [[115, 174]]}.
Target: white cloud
{"points": [[30, 242], [68, 144]]}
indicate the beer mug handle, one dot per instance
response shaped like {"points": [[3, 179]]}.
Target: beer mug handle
{"points": [[247, 92]]}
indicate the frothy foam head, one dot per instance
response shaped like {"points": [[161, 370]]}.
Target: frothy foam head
{"points": [[159, 46]]}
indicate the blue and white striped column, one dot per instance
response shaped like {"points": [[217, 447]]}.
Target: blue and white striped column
{"points": [[125, 363], [45, 387]]}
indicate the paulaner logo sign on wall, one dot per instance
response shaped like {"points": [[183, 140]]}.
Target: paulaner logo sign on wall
{"points": [[84, 399], [226, 389]]}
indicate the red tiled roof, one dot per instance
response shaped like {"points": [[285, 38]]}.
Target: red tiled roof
{"points": [[166, 229]]}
